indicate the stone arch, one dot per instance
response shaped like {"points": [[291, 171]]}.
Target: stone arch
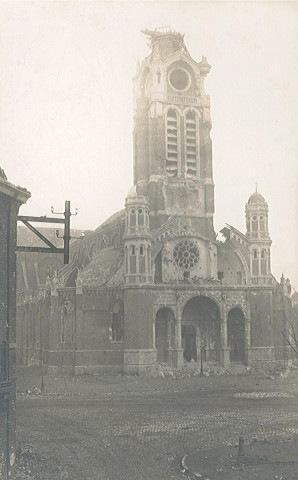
{"points": [[236, 334], [184, 300], [201, 329], [191, 110], [172, 107], [243, 263], [164, 334]]}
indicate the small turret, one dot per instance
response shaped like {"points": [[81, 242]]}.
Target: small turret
{"points": [[258, 239], [137, 239]]}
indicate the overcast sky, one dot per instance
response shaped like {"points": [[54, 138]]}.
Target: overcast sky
{"points": [[66, 114]]}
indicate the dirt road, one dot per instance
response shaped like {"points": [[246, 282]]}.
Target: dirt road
{"points": [[129, 428]]}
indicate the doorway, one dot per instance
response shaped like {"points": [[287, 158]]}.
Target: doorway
{"points": [[201, 330]]}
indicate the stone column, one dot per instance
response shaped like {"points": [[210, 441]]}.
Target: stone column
{"points": [[139, 355], [169, 341], [178, 352], [153, 334], [247, 332], [247, 340], [137, 252], [224, 350]]}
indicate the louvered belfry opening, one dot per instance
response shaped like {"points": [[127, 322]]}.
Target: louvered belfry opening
{"points": [[191, 144], [172, 143]]}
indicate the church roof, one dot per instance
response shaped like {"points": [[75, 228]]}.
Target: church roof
{"points": [[113, 218], [256, 197], [106, 268]]}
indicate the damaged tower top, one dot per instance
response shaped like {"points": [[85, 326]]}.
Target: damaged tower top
{"points": [[166, 39]]}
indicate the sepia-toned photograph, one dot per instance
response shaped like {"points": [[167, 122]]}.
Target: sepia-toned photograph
{"points": [[148, 240]]}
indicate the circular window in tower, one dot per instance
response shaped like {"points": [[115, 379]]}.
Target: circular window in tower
{"points": [[179, 79], [186, 255]]}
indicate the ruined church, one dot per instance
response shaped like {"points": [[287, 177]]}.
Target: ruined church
{"points": [[153, 284]]}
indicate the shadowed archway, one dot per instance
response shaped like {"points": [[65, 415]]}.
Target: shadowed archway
{"points": [[201, 330]]}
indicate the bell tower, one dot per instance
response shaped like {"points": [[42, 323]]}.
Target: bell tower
{"points": [[258, 239], [172, 145]]}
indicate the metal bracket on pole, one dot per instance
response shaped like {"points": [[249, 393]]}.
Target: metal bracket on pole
{"points": [[51, 247]]}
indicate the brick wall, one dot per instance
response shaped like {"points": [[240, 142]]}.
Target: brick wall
{"points": [[8, 212]]}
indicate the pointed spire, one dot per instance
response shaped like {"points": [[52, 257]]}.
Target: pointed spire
{"points": [[256, 186]]}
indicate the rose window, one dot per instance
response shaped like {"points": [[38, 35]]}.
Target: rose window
{"points": [[186, 254]]}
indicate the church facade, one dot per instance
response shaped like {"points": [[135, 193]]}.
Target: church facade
{"points": [[153, 284]]}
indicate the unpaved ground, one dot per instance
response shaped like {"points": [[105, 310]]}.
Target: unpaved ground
{"points": [[274, 459], [131, 428]]}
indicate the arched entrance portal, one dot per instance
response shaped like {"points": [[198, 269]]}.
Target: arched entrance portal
{"points": [[164, 334], [236, 329], [201, 330]]}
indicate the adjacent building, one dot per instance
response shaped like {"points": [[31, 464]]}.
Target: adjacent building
{"points": [[11, 198]]}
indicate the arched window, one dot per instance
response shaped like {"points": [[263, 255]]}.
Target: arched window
{"points": [[140, 217], [263, 262], [191, 144], [255, 263], [254, 223], [142, 264], [172, 143], [132, 259], [147, 217], [132, 219]]}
